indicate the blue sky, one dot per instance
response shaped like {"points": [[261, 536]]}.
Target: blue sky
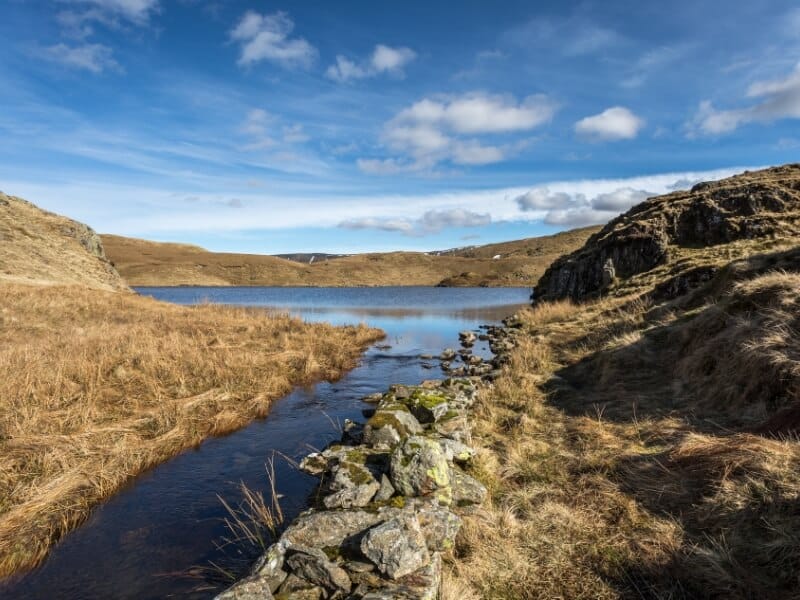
{"points": [[354, 126]]}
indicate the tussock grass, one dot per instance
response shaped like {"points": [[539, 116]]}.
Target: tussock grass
{"points": [[98, 386], [635, 450]]}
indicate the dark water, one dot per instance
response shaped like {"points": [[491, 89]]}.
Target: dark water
{"points": [[143, 542]]}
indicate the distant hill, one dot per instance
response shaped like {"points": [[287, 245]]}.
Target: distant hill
{"points": [[37, 246], [309, 257], [520, 263]]}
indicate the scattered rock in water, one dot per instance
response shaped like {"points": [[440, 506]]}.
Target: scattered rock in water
{"points": [[447, 354], [467, 338], [397, 547]]}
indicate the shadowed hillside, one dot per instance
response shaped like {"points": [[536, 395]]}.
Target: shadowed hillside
{"points": [[643, 441], [40, 247], [152, 263]]}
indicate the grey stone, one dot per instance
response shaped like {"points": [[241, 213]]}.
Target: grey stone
{"points": [[269, 567], [466, 489], [439, 525], [299, 589], [397, 547], [352, 486], [456, 451], [447, 354], [329, 528], [386, 490], [312, 565], [423, 584], [419, 467]]}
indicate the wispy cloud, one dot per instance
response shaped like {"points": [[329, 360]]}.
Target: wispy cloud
{"points": [[775, 100], [268, 38], [573, 36], [384, 59], [432, 221], [613, 124], [94, 58]]}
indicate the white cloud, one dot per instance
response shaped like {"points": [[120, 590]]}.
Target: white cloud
{"points": [[432, 221], [576, 209], [268, 37], [433, 130], [572, 37], [95, 58], [137, 11], [778, 99], [384, 59], [260, 127], [615, 123]]}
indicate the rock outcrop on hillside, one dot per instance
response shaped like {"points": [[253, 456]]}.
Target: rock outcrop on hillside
{"points": [[753, 205], [37, 246]]}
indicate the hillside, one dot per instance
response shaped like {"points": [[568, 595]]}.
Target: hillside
{"points": [[41, 247], [643, 440], [146, 263]]}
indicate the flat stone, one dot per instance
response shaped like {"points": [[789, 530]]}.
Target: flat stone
{"points": [[321, 529], [397, 547]]}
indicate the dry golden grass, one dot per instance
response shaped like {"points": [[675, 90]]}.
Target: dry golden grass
{"points": [[99, 386], [150, 263], [41, 247], [638, 450]]}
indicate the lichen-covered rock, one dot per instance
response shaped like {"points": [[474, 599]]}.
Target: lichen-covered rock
{"points": [[250, 588], [351, 485], [390, 425], [456, 427], [386, 490], [313, 566], [419, 467], [428, 406], [439, 525], [397, 547], [466, 489], [295, 588]]}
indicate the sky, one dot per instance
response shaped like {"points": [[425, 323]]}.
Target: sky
{"points": [[355, 126]]}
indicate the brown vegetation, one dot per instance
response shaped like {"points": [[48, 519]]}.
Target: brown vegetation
{"points": [[644, 445], [145, 263], [41, 247], [99, 386]]}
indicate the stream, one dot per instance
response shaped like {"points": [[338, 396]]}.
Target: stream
{"points": [[148, 540]]}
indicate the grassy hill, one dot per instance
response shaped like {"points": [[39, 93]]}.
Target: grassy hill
{"points": [[152, 263], [643, 440], [37, 246]]}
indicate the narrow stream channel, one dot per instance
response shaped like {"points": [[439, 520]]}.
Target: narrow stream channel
{"points": [[145, 541]]}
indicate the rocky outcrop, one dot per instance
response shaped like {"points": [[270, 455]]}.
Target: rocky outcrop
{"points": [[752, 205], [389, 499]]}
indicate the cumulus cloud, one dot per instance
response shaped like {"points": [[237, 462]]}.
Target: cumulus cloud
{"points": [[615, 123], [431, 221], [776, 99], [268, 37], [384, 59], [447, 128], [577, 209], [94, 58]]}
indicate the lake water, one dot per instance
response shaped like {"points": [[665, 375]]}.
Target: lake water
{"points": [[148, 540]]}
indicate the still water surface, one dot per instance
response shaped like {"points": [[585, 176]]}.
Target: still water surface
{"points": [[144, 541]]}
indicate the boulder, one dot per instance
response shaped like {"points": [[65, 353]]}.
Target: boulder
{"points": [[423, 584], [447, 354], [428, 406], [386, 490], [419, 467], [439, 525], [299, 589], [397, 547], [351, 485]]}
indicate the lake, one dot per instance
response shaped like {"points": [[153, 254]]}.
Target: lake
{"points": [[148, 540]]}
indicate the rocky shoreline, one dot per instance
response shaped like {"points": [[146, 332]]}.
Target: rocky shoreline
{"points": [[391, 492]]}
